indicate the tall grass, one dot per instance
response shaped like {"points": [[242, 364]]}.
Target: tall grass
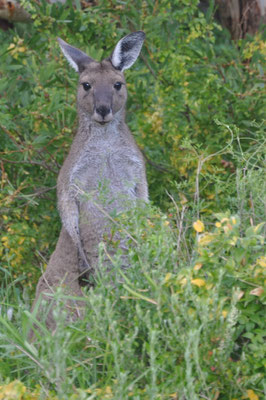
{"points": [[167, 327]]}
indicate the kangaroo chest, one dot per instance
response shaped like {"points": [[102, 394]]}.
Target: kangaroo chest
{"points": [[107, 168]]}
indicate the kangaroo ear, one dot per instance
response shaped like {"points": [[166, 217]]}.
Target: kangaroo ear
{"points": [[76, 58], [127, 50]]}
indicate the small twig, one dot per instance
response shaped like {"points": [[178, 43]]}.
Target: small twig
{"points": [[42, 191], [248, 283], [148, 66], [87, 360], [202, 161], [252, 208], [180, 221], [154, 165], [44, 389], [3, 174], [47, 283], [82, 192], [22, 162], [40, 163], [156, 76], [42, 257], [40, 152], [107, 254], [29, 355], [187, 113], [9, 134], [218, 68], [180, 227]]}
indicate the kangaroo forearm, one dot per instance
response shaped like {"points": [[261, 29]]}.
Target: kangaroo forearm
{"points": [[69, 212]]}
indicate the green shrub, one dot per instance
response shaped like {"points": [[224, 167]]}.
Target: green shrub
{"points": [[189, 74], [166, 328], [186, 320]]}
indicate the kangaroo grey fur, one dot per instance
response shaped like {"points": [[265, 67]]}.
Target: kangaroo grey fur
{"points": [[62, 271], [104, 170]]}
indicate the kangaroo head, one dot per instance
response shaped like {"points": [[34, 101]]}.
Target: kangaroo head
{"points": [[102, 89]]}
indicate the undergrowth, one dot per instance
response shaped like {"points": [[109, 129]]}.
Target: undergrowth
{"points": [[186, 320], [170, 326]]}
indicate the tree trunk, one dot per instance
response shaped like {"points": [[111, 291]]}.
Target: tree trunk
{"points": [[238, 16], [12, 11], [241, 16]]}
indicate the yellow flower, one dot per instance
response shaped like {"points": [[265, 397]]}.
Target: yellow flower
{"points": [[198, 282], [197, 266], [224, 313], [167, 277], [261, 261], [251, 395], [205, 239], [21, 240], [198, 226], [11, 46], [13, 390]]}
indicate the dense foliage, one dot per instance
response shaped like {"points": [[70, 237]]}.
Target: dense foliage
{"points": [[186, 321]]}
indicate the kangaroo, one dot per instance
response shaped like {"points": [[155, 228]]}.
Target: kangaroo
{"points": [[104, 171], [62, 271]]}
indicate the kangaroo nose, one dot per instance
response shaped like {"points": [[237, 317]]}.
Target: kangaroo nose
{"points": [[103, 110]]}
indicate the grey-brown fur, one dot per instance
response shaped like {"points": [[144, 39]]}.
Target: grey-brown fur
{"points": [[62, 271], [104, 170]]}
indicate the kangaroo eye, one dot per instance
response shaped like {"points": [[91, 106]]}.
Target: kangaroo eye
{"points": [[86, 86], [118, 85]]}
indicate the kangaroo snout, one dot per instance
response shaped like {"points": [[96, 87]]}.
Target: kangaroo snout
{"points": [[102, 114], [103, 110]]}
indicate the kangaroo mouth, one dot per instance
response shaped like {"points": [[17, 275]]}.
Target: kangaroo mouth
{"points": [[102, 119]]}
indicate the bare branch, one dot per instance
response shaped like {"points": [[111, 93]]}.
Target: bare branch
{"points": [[40, 163]]}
